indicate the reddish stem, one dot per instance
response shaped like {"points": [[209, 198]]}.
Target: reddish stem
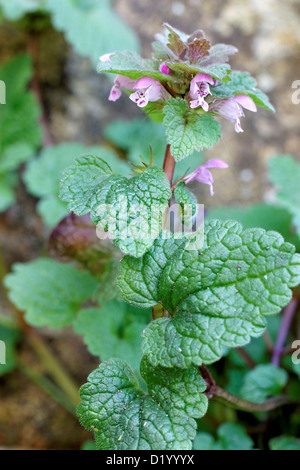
{"points": [[169, 164], [219, 394], [248, 359], [228, 399], [209, 380]]}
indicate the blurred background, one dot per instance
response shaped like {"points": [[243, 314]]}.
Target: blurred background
{"points": [[54, 96]]}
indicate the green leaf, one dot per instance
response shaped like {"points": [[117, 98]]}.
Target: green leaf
{"points": [[9, 335], [49, 292], [20, 133], [92, 29], [284, 443], [124, 417], [135, 138], [43, 174], [107, 281], [88, 445], [263, 381], [284, 173], [265, 216], [113, 331], [19, 117], [186, 131], [8, 182], [13, 155], [140, 278], [81, 180], [52, 210], [89, 185], [142, 193], [15, 9], [230, 436], [241, 83], [184, 197], [217, 297], [132, 65], [217, 71]]}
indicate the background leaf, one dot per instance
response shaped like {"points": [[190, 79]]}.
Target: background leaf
{"points": [[262, 382], [15, 9], [284, 172], [49, 292], [230, 436], [284, 443], [20, 133], [92, 28], [113, 331], [10, 335]]}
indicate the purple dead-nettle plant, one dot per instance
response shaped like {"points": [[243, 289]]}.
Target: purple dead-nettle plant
{"points": [[206, 298]]}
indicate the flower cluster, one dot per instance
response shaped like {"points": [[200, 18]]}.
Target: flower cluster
{"points": [[145, 89], [189, 83], [177, 58]]}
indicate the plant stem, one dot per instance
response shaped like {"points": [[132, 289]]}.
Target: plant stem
{"points": [[158, 311], [219, 394], [209, 380], [287, 318], [54, 367], [47, 386], [169, 164], [247, 358], [32, 49], [228, 399]]}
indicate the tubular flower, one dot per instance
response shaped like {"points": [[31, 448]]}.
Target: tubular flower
{"points": [[203, 175], [163, 68], [199, 89], [231, 109], [120, 82], [148, 89]]}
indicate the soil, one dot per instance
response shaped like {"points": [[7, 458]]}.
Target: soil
{"points": [[267, 35]]}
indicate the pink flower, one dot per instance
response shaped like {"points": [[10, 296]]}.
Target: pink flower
{"points": [[105, 57], [145, 89], [163, 68], [120, 82], [148, 89], [203, 175], [199, 89], [231, 109]]}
